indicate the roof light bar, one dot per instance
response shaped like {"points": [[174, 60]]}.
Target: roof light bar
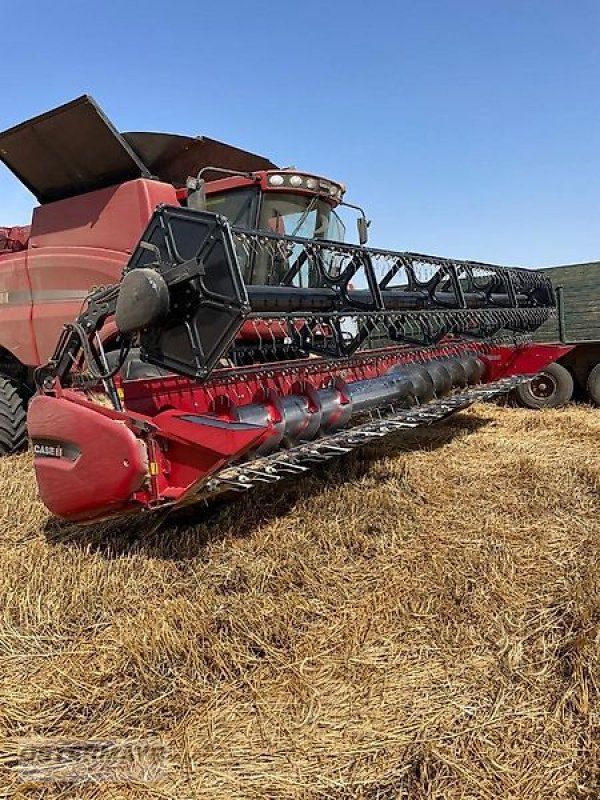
{"points": [[297, 181]]}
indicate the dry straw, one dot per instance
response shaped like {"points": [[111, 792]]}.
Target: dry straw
{"points": [[419, 620]]}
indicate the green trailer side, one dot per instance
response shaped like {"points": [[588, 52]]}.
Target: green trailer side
{"points": [[580, 302], [577, 323]]}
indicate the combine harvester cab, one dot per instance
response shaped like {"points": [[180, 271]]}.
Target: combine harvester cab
{"points": [[362, 343]]}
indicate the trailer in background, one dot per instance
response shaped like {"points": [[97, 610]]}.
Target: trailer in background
{"points": [[577, 323]]}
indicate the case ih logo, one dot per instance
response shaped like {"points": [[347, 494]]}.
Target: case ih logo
{"points": [[46, 449]]}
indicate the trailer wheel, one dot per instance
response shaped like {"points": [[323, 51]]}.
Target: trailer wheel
{"points": [[13, 433], [550, 388], [593, 385]]}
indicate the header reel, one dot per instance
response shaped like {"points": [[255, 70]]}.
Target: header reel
{"points": [[195, 284]]}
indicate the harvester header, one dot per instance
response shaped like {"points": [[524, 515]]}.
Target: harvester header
{"points": [[235, 339], [358, 342]]}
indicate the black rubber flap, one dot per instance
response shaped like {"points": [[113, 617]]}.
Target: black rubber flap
{"points": [[174, 158], [68, 151]]}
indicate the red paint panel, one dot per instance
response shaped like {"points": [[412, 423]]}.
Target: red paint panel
{"points": [[16, 332], [83, 242], [104, 463], [199, 447], [528, 359], [61, 278], [110, 219]]}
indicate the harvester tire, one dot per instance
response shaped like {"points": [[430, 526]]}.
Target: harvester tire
{"points": [[593, 385], [550, 388], [13, 432]]}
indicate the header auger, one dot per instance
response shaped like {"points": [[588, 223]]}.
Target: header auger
{"points": [[244, 356]]}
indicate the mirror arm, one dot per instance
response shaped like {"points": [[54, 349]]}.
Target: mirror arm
{"points": [[362, 222]]}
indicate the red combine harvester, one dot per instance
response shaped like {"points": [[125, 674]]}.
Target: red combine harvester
{"points": [[242, 341]]}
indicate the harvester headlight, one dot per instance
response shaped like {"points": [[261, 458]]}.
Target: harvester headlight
{"points": [[313, 184]]}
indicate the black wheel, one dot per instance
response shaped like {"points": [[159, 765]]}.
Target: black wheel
{"points": [[13, 433], [551, 388], [593, 385]]}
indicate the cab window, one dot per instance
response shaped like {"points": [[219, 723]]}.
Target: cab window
{"points": [[239, 206]]}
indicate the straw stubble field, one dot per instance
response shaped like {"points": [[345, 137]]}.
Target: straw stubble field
{"points": [[419, 620]]}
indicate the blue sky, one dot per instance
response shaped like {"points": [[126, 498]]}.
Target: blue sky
{"points": [[465, 127]]}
